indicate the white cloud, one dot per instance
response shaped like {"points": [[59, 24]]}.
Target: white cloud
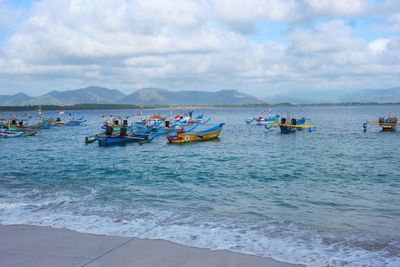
{"points": [[338, 7], [184, 44], [241, 15], [395, 22], [248, 11], [379, 45], [330, 36]]}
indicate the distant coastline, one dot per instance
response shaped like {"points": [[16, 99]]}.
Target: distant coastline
{"points": [[132, 106]]}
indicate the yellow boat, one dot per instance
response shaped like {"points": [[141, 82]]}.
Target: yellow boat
{"points": [[208, 134], [388, 125]]}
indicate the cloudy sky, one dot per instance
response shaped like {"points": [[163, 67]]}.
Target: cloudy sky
{"points": [[262, 47]]}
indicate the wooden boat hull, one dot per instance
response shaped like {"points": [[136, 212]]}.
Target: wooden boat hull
{"points": [[29, 133], [10, 134], [14, 134], [205, 135], [74, 123], [106, 141], [389, 127]]}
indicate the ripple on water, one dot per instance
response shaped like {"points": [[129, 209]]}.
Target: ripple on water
{"points": [[323, 198]]}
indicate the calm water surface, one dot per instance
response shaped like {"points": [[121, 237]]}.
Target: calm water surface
{"points": [[330, 197]]}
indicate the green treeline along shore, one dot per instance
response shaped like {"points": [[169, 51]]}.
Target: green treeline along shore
{"points": [[129, 106]]}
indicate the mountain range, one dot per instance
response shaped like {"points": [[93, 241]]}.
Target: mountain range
{"points": [[155, 96], [384, 95], [147, 96]]}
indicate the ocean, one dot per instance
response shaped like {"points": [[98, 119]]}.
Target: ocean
{"points": [[329, 197]]}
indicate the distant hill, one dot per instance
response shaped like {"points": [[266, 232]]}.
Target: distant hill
{"points": [[147, 96], [90, 95], [389, 95], [154, 96], [14, 100]]}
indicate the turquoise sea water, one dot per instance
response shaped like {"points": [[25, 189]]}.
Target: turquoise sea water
{"points": [[330, 197]]}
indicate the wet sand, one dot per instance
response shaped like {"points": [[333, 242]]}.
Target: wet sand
{"points": [[25, 245]]}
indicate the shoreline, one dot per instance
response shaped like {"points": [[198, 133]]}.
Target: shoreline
{"points": [[24, 245], [183, 107]]}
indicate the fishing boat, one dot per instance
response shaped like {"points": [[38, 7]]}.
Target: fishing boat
{"points": [[261, 120], [105, 140], [117, 122], [10, 134], [75, 122], [121, 137], [18, 124], [204, 135], [70, 122], [14, 134], [387, 125], [196, 119], [287, 127], [291, 125], [171, 124]]}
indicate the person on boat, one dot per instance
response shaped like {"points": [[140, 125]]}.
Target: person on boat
{"points": [[109, 130], [260, 118], [122, 132]]}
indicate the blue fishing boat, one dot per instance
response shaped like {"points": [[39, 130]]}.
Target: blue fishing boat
{"points": [[261, 120], [75, 122], [17, 133], [291, 125], [121, 137], [10, 134]]}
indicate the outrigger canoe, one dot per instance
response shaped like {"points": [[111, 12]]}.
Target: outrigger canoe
{"points": [[113, 140], [388, 125], [292, 126], [204, 135], [14, 134], [75, 122], [122, 137], [106, 140]]}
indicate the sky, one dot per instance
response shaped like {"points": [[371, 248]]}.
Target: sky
{"points": [[260, 47]]}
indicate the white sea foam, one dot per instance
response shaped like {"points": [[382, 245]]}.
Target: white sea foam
{"points": [[282, 241]]}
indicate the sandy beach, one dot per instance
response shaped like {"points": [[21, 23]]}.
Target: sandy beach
{"points": [[25, 245]]}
